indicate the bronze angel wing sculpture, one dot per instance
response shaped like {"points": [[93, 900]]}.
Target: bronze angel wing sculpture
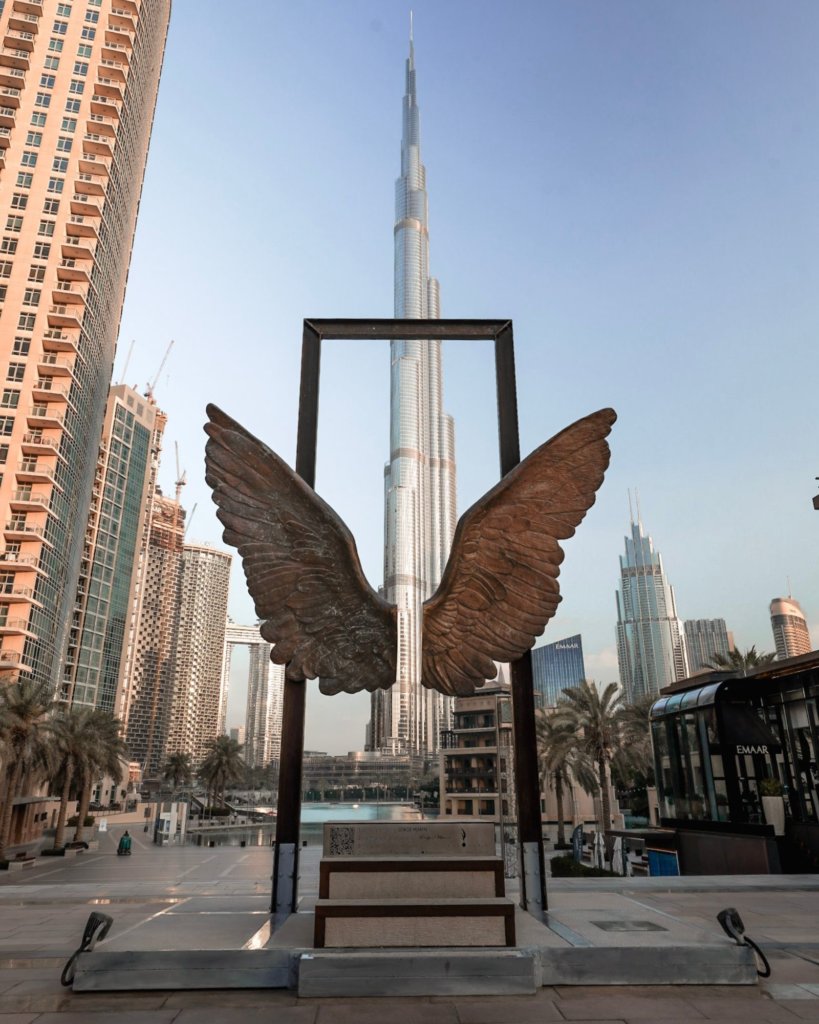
{"points": [[498, 591]]}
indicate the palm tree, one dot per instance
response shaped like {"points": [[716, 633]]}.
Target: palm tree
{"points": [[740, 662], [222, 766], [24, 726], [592, 715], [635, 755], [105, 758], [73, 753], [178, 770], [562, 760]]}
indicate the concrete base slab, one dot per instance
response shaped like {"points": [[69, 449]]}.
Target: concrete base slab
{"points": [[669, 965], [417, 973], [144, 971]]}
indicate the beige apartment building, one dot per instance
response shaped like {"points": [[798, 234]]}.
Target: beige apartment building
{"points": [[78, 87]]}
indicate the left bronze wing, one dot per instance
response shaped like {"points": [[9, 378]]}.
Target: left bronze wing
{"points": [[499, 588], [301, 564]]}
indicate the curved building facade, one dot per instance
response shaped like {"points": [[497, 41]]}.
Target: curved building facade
{"points": [[790, 628]]}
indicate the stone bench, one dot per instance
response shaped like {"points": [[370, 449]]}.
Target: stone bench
{"points": [[21, 864]]}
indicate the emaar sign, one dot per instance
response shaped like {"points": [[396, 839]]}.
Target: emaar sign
{"points": [[743, 748]]}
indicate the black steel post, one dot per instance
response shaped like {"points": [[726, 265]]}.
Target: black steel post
{"points": [[527, 777], [288, 816]]}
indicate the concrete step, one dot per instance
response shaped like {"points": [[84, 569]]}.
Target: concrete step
{"points": [[493, 972], [149, 970], [395, 923], [723, 964], [353, 878]]}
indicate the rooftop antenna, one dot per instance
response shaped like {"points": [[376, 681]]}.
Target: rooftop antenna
{"points": [[127, 361], [149, 393], [190, 519], [637, 501], [411, 39], [630, 509], [789, 586]]}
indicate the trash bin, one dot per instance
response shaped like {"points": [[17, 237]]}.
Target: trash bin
{"points": [[243, 843]]}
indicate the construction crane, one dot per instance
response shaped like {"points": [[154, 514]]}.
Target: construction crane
{"points": [[181, 475], [149, 388], [127, 361]]}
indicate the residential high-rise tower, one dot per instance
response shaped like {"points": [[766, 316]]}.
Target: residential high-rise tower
{"points": [[557, 667], [705, 638], [650, 639], [78, 87], [419, 481], [790, 628]]}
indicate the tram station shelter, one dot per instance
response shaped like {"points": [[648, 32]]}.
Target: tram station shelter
{"points": [[736, 768]]}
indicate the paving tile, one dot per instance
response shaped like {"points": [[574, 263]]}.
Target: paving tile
{"points": [[505, 1010], [257, 1015], [230, 998], [108, 1017], [805, 1009], [17, 1018], [750, 1009], [376, 1011], [624, 1006], [788, 990]]}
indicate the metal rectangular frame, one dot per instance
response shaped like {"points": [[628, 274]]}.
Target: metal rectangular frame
{"points": [[527, 780]]}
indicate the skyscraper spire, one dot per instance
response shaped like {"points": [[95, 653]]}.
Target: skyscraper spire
{"points": [[419, 480]]}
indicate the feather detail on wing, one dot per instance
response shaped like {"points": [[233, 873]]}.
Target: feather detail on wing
{"points": [[301, 564], [499, 588]]}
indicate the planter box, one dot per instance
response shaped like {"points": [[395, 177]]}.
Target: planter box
{"points": [[773, 807]]}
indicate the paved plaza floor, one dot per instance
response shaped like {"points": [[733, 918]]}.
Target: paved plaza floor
{"points": [[43, 911]]}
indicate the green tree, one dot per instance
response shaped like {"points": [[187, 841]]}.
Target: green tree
{"points": [[740, 662], [222, 766], [24, 732], [593, 716], [634, 758], [562, 759], [72, 754], [178, 770], [104, 759]]}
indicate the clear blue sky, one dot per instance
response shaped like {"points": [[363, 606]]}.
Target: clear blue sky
{"points": [[634, 183]]}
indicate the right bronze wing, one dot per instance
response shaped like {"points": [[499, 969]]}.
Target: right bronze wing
{"points": [[301, 564]]}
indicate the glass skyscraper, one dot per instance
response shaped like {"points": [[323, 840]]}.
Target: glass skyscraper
{"points": [[650, 639], [419, 481], [557, 667]]}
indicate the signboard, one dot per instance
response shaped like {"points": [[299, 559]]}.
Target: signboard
{"points": [[103, 825]]}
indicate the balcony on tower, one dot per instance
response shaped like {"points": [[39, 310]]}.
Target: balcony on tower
{"points": [[10, 659], [14, 59], [121, 19], [44, 417], [32, 471], [11, 77], [72, 270], [10, 97], [85, 206], [93, 163], [19, 39], [105, 106], [34, 7], [22, 22], [34, 442], [116, 52], [26, 500], [76, 248], [5, 137], [105, 86], [8, 115], [114, 69], [46, 389], [14, 624], [64, 316], [99, 124], [55, 340], [69, 292]]}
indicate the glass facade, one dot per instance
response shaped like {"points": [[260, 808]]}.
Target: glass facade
{"points": [[557, 667], [650, 640], [714, 745]]}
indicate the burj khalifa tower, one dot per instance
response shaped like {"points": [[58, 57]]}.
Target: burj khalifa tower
{"points": [[419, 480]]}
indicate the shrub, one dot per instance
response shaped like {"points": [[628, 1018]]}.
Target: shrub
{"points": [[770, 787], [568, 867], [89, 821]]}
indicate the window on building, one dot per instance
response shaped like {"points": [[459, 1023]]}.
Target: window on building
{"points": [[28, 159], [60, 164], [92, 16], [55, 45], [43, 100], [72, 106], [64, 10], [51, 206], [47, 81], [64, 144], [80, 67], [4, 457], [24, 179], [84, 50], [3, 290], [34, 138], [36, 272], [19, 201], [31, 297], [5, 268], [69, 124], [76, 87], [51, 63], [14, 223], [6, 426], [10, 398], [16, 371], [56, 184], [60, 27], [38, 118], [46, 228], [8, 245], [21, 346], [26, 321], [42, 250], [88, 32]]}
